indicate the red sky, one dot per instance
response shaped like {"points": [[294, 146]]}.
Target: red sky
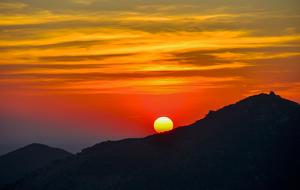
{"points": [[82, 68]]}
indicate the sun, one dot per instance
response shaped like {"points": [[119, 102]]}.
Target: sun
{"points": [[163, 124]]}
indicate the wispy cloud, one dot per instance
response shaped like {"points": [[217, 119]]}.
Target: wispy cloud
{"points": [[137, 47]]}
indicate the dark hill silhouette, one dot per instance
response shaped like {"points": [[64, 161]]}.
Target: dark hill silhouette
{"points": [[253, 144], [21, 162]]}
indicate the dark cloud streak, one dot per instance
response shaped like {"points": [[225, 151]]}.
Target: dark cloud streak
{"points": [[117, 5], [199, 59], [81, 57], [80, 44]]}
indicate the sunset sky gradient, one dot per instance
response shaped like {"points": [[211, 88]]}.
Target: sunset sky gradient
{"points": [[109, 68]]}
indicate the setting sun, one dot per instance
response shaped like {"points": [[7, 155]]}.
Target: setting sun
{"points": [[163, 124]]}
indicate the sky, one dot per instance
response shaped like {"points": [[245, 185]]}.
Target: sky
{"points": [[92, 70]]}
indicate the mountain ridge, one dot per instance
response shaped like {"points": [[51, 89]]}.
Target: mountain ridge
{"points": [[242, 104], [20, 162], [252, 144]]}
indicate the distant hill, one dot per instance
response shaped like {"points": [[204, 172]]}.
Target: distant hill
{"points": [[250, 145], [21, 162]]}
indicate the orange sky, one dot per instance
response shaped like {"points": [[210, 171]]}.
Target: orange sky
{"points": [[110, 68]]}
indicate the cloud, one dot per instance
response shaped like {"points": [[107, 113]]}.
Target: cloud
{"points": [[144, 85], [172, 45], [199, 58], [86, 2], [68, 44], [80, 57], [253, 55]]}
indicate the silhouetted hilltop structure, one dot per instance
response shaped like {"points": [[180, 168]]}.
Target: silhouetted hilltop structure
{"points": [[21, 162], [253, 144]]}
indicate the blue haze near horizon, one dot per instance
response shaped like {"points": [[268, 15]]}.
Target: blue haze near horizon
{"points": [[71, 144]]}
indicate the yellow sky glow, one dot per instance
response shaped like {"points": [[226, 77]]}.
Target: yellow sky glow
{"points": [[134, 42]]}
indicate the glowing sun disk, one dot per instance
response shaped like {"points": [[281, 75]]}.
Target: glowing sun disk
{"points": [[163, 124]]}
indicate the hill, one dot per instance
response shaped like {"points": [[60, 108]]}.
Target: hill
{"points": [[253, 144], [18, 163]]}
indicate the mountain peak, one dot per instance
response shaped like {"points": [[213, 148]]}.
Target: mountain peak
{"points": [[22, 161], [35, 145], [253, 108], [272, 93]]}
